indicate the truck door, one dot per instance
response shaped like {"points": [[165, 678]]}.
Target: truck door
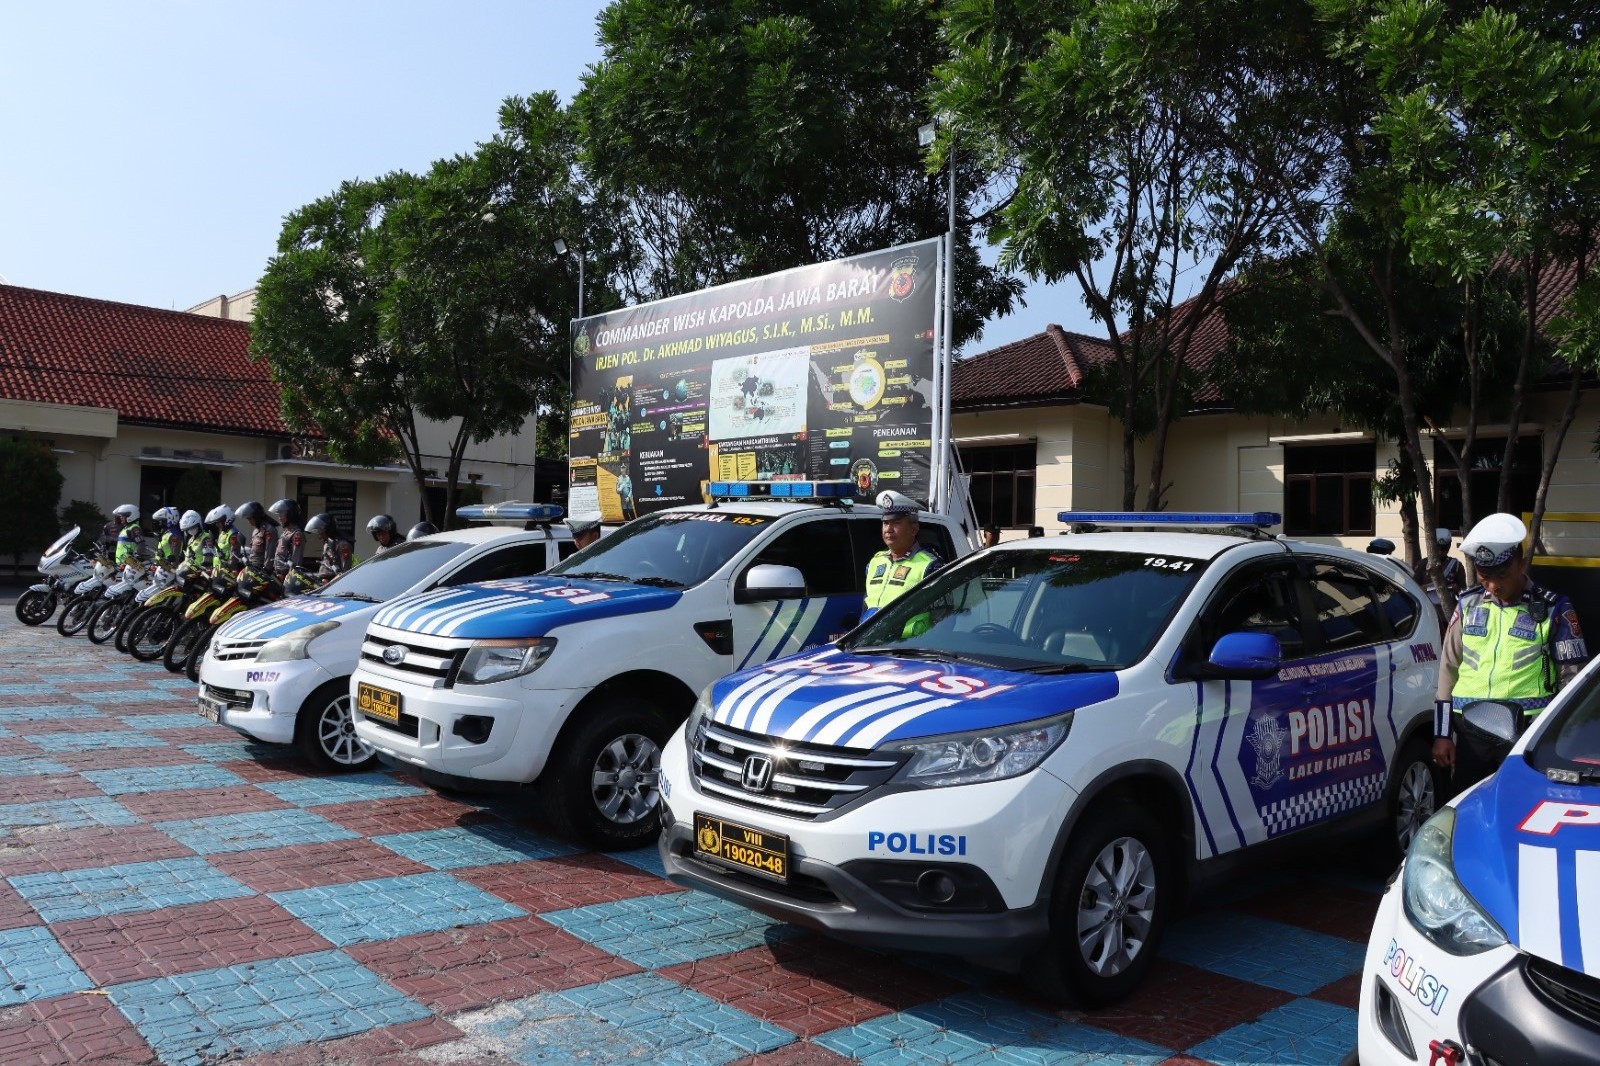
{"points": [[820, 550]]}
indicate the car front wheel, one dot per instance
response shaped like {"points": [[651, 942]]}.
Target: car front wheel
{"points": [[602, 786], [326, 730]]}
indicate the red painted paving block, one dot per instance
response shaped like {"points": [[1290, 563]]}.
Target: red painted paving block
{"points": [[540, 885], [473, 966], [800, 1053], [184, 939], [404, 814], [74, 1030], [1345, 992], [56, 850], [122, 758], [199, 733], [19, 746], [338, 862], [390, 1045], [41, 788], [1179, 1006], [14, 910], [1337, 910], [810, 985], [174, 804], [1185, 1060], [257, 771], [70, 725]]}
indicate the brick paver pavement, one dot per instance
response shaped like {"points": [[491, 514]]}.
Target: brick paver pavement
{"points": [[171, 892]]}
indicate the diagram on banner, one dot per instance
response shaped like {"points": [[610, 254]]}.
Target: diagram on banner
{"points": [[759, 394]]}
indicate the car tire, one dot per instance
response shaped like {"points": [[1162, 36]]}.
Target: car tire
{"points": [[75, 615], [1413, 793], [325, 731], [34, 607], [1115, 889], [601, 785]]}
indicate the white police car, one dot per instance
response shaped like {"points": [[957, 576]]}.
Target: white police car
{"points": [[1486, 948], [1037, 750], [281, 673]]}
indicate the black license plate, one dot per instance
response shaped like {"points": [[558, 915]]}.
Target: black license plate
{"points": [[210, 708], [755, 850]]}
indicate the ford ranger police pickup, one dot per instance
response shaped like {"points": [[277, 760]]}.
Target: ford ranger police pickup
{"points": [[574, 679], [281, 673], [1029, 754]]}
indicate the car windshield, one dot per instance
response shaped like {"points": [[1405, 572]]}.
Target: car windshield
{"points": [[395, 571], [1045, 610], [669, 549], [1572, 742]]}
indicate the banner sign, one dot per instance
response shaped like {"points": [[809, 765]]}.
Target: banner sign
{"points": [[818, 372]]}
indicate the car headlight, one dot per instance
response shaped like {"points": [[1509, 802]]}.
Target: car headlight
{"points": [[292, 646], [1435, 903], [498, 660], [982, 755]]}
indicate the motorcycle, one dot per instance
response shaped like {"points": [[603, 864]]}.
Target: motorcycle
{"points": [[153, 628], [196, 620], [62, 567], [251, 590], [85, 597], [115, 601], [163, 581]]}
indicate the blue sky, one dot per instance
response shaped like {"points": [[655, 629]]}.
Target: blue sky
{"points": [[148, 152]]}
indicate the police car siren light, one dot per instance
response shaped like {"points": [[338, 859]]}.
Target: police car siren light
{"points": [[782, 490], [1261, 519], [511, 511]]}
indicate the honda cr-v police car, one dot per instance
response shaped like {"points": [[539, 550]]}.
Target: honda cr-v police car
{"points": [[1031, 752], [575, 678], [281, 673], [1486, 948]]}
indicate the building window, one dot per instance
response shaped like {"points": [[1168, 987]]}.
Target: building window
{"points": [[1484, 464], [1327, 489], [1002, 484]]}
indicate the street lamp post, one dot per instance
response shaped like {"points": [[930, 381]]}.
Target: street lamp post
{"points": [[944, 362], [563, 249]]}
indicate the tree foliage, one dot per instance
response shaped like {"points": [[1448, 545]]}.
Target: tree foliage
{"points": [[33, 492], [198, 489]]}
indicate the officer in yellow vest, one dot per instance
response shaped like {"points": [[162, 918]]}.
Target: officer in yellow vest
{"points": [[903, 562], [1509, 640]]}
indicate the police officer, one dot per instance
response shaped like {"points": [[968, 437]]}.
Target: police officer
{"points": [[585, 530], [196, 541], [385, 532], [1509, 640], [903, 562], [130, 540], [263, 545], [421, 529], [1455, 575], [338, 554], [224, 538], [169, 546], [291, 537]]}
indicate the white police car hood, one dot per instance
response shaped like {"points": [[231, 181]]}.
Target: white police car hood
{"points": [[285, 616], [519, 607], [1528, 850], [836, 699]]}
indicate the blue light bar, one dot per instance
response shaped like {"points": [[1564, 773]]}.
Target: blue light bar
{"points": [[1261, 519], [511, 511], [782, 490]]}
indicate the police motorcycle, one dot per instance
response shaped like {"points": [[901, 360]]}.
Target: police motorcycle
{"points": [[85, 597], [163, 581], [62, 566], [153, 626], [115, 601], [252, 589]]}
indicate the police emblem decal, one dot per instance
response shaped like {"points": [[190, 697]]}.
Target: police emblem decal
{"points": [[902, 278]]}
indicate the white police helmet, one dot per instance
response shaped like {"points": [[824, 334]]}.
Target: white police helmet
{"points": [[1441, 537], [897, 503], [190, 521], [1494, 542], [127, 512]]}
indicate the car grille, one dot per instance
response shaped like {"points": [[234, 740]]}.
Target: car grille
{"points": [[225, 651], [431, 661], [1577, 992], [406, 726], [233, 697], [806, 781]]}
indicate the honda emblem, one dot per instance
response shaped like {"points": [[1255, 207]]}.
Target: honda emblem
{"points": [[757, 773], [394, 654]]}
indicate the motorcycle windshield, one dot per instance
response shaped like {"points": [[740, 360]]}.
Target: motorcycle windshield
{"points": [[61, 542]]}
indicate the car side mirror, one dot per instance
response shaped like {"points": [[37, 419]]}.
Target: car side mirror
{"points": [[1245, 657], [769, 581]]}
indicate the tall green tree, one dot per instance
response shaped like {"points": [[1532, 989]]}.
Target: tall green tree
{"points": [[1096, 122], [33, 492], [739, 139]]}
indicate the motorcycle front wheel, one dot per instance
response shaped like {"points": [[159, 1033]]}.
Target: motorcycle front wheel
{"points": [[191, 668], [176, 653], [75, 615], [104, 620], [150, 633], [125, 626], [35, 607]]}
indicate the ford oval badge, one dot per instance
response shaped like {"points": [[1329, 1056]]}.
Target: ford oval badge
{"points": [[394, 654]]}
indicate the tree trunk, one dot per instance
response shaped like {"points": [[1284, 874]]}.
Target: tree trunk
{"points": [[1553, 453], [1408, 531]]}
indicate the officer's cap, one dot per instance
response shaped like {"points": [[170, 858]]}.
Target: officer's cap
{"points": [[897, 503], [1493, 542], [580, 524]]}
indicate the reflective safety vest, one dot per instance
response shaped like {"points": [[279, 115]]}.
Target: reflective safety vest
{"points": [[1505, 651], [167, 547], [887, 578], [226, 540], [196, 549], [128, 541]]}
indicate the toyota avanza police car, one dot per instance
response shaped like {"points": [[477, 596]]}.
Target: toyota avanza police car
{"points": [[1486, 947], [281, 673], [1032, 752]]}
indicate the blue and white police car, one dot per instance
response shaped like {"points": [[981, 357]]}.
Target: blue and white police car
{"points": [[1486, 947], [281, 673], [1033, 753]]}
